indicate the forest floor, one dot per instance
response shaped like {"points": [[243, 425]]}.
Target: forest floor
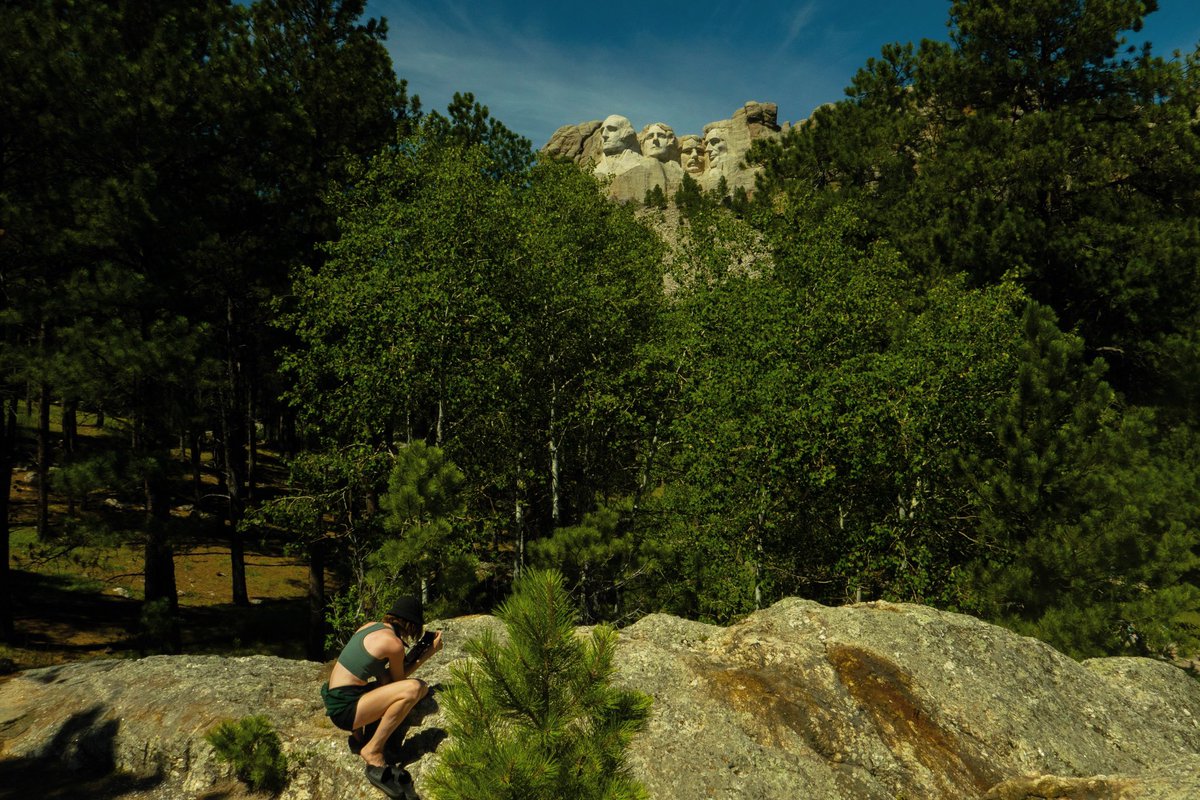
{"points": [[80, 597]]}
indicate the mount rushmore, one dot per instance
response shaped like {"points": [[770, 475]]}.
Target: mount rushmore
{"points": [[638, 162]]}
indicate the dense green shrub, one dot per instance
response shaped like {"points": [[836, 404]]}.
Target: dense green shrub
{"points": [[252, 746]]}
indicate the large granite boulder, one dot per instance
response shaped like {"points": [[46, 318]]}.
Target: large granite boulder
{"points": [[799, 700], [576, 142]]}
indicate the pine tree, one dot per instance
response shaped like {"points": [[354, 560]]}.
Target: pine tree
{"points": [[1036, 144], [427, 548], [1087, 513], [535, 716], [599, 556]]}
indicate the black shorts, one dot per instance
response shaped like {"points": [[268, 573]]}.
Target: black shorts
{"points": [[341, 704]]}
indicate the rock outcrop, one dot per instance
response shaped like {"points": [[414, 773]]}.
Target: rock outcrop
{"points": [[636, 163], [866, 702]]}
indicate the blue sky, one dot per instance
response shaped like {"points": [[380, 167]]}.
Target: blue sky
{"points": [[538, 65]]}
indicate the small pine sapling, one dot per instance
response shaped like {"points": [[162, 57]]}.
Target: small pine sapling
{"points": [[252, 746], [535, 717]]}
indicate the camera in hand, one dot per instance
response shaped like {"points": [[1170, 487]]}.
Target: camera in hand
{"points": [[419, 647]]}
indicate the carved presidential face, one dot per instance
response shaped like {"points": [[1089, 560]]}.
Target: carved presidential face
{"points": [[691, 154], [617, 135], [658, 141], [716, 146]]}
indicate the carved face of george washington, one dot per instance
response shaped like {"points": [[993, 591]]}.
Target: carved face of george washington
{"points": [[617, 135]]}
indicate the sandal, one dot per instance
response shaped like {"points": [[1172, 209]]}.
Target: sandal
{"points": [[404, 783], [385, 780]]}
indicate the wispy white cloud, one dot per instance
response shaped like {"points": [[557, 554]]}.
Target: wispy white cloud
{"points": [[801, 18], [539, 64]]}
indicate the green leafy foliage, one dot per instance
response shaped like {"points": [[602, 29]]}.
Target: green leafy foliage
{"points": [[1033, 145], [182, 149], [326, 512], [1088, 513], [535, 715], [498, 319], [252, 746], [655, 197], [470, 124], [949, 352], [826, 398], [1037, 150], [599, 556]]}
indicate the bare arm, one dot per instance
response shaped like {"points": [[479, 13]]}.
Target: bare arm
{"points": [[409, 669]]}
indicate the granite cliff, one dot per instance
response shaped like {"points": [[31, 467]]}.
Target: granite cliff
{"points": [[635, 162], [866, 702]]}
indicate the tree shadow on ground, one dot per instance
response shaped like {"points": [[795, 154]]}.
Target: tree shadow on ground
{"points": [[58, 620], [271, 627], [80, 760], [50, 606]]}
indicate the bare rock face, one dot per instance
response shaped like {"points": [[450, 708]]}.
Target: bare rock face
{"points": [[635, 163], [885, 701], [572, 141], [865, 702]]}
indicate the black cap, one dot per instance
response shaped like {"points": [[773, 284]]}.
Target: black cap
{"points": [[409, 608]]}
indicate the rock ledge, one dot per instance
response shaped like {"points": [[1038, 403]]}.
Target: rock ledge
{"points": [[867, 702]]}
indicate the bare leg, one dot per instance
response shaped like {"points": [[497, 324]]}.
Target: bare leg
{"points": [[390, 705]]}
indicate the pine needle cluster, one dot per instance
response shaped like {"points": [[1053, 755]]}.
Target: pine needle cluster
{"points": [[253, 747], [535, 717]]}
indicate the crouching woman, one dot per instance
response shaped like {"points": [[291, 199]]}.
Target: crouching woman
{"points": [[370, 681]]}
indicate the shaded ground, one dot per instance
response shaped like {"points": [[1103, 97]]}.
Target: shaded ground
{"points": [[58, 620], [76, 600]]}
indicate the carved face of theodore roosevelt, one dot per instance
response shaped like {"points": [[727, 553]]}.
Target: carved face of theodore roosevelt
{"points": [[691, 154], [617, 135], [658, 141]]}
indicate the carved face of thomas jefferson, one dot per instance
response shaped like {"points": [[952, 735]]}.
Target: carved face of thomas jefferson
{"points": [[691, 154], [617, 135], [658, 141]]}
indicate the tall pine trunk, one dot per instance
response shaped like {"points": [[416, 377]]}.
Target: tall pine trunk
{"points": [[197, 482], [315, 639], [70, 436], [43, 462], [233, 423], [234, 469], [8, 443], [151, 437], [160, 570]]}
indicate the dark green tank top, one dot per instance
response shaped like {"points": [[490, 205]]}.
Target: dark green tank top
{"points": [[354, 656]]}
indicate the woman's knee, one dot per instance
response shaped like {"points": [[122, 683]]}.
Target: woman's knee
{"points": [[414, 690]]}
